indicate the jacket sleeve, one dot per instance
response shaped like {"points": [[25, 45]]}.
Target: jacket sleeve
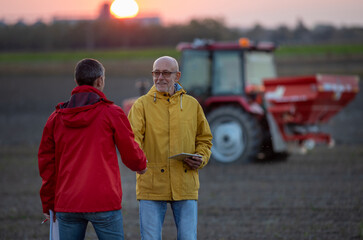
{"points": [[131, 154], [47, 166], [203, 142]]}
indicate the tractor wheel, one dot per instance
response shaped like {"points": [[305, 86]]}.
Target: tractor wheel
{"points": [[236, 134]]}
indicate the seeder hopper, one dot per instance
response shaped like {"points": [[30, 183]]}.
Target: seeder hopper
{"points": [[299, 105]]}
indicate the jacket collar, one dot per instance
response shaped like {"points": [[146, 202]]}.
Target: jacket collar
{"points": [[155, 93], [87, 88]]}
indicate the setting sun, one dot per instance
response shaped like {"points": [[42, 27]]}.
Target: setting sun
{"points": [[124, 8]]}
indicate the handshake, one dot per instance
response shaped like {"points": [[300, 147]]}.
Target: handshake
{"points": [[142, 171]]}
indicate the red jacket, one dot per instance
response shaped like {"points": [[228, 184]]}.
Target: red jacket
{"points": [[77, 156]]}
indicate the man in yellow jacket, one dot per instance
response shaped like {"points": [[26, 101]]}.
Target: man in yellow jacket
{"points": [[166, 121]]}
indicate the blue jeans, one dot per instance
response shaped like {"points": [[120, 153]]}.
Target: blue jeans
{"points": [[108, 225], [152, 214]]}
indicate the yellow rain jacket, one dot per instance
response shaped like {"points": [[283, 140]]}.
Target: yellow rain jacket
{"points": [[166, 125]]}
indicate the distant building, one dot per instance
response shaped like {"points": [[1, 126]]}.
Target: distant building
{"points": [[105, 12]]}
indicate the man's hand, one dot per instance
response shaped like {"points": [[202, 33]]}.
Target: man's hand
{"points": [[142, 171], [193, 162], [47, 216]]}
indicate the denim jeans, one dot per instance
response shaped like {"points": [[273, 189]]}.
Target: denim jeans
{"points": [[108, 225], [152, 214]]}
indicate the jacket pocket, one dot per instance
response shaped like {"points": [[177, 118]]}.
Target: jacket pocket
{"points": [[161, 181], [144, 181], [155, 179], [191, 181]]}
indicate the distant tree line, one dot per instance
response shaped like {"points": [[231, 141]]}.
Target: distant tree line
{"points": [[112, 33]]}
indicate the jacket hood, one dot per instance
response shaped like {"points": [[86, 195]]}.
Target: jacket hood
{"points": [[81, 108]]}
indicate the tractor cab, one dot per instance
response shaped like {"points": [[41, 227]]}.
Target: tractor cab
{"points": [[225, 68]]}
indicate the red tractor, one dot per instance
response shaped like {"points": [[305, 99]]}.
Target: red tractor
{"points": [[252, 113]]}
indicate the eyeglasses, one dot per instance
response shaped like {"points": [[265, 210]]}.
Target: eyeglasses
{"points": [[165, 74]]}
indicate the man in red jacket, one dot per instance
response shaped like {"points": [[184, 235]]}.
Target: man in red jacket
{"points": [[78, 161]]}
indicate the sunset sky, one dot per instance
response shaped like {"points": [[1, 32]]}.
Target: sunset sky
{"points": [[242, 13]]}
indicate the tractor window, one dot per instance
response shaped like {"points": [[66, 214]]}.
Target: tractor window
{"points": [[196, 72], [259, 65], [227, 73]]}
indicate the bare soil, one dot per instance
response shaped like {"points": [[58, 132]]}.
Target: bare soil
{"points": [[313, 196]]}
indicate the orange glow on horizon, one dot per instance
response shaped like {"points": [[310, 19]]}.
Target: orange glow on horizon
{"points": [[124, 8]]}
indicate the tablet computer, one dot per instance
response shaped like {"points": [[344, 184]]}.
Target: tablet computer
{"points": [[182, 156]]}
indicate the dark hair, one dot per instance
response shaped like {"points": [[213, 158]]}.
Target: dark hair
{"points": [[87, 71]]}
